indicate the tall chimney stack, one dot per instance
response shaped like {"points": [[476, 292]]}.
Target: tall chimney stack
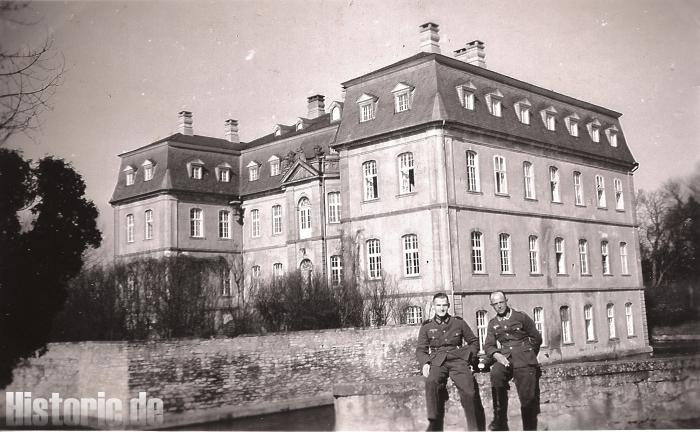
{"points": [[231, 131], [429, 40], [474, 53], [316, 105], [185, 125]]}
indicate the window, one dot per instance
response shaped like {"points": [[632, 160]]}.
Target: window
{"points": [[304, 207], [130, 228], [226, 283], [578, 188], [629, 319], [274, 162], [594, 130], [554, 183], [565, 314], [253, 171], [611, 133], [255, 223], [466, 95], [504, 246], [611, 321], [534, 251], [494, 102], [600, 188], [414, 315], [406, 173], [605, 257], [410, 255], [335, 113], [624, 266], [572, 124], [482, 323], [549, 118], [619, 197], [334, 207], [477, 252], [148, 224], [499, 172], [336, 269], [583, 256], [402, 97], [369, 171], [559, 255], [367, 104], [147, 170], [196, 229], [538, 318], [276, 219], [549, 121], [130, 175], [374, 258], [277, 270], [255, 276], [588, 322], [197, 172], [529, 179], [473, 184], [224, 175], [522, 109], [224, 224]]}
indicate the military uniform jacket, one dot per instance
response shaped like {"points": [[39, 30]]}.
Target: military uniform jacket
{"points": [[520, 341], [439, 339]]}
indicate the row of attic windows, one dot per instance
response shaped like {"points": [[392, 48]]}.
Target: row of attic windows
{"points": [[195, 170], [403, 99]]}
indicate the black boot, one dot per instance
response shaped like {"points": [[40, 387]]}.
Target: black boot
{"points": [[499, 396], [529, 416], [435, 425]]}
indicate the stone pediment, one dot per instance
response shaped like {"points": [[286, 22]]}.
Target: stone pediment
{"points": [[300, 171]]}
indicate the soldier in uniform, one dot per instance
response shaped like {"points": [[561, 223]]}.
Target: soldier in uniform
{"points": [[515, 359], [442, 353]]}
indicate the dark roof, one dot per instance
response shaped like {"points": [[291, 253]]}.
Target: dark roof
{"points": [[313, 124], [198, 140]]}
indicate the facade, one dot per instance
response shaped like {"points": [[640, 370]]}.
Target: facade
{"points": [[444, 175]]}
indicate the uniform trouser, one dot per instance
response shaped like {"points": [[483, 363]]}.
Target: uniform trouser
{"points": [[458, 370], [526, 382]]}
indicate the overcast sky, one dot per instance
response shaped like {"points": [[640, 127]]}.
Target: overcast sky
{"points": [[131, 66]]}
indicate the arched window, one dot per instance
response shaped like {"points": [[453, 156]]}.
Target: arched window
{"points": [[255, 223], [529, 180], [605, 257], [407, 180], [612, 332], [619, 197], [565, 315], [369, 173], [578, 188], [307, 269], [482, 323], [629, 319], [583, 256], [374, 259], [538, 318], [304, 209], [534, 252], [477, 252], [600, 191], [588, 322], [560, 255], [473, 184], [130, 228], [499, 172], [504, 247], [554, 184], [276, 219], [624, 265]]}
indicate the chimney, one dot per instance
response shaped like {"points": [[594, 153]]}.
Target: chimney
{"points": [[474, 54], [316, 106], [429, 40], [231, 131], [185, 126]]}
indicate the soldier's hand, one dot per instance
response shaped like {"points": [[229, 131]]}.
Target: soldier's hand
{"points": [[426, 370], [501, 359]]}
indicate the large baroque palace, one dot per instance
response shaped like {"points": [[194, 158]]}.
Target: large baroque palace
{"points": [[445, 175]]}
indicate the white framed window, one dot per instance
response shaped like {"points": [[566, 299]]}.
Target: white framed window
{"points": [[566, 335], [612, 332], [605, 257], [277, 270], [549, 118], [148, 170], [411, 262], [477, 252], [629, 319], [466, 95], [276, 219], [572, 122], [224, 224], [335, 113], [336, 269], [253, 171], [529, 180], [130, 176], [304, 207], [367, 106], [407, 180], [534, 254], [197, 171], [522, 109], [224, 175], [624, 265], [560, 255], [578, 188], [619, 196], [588, 322], [130, 228], [583, 256], [473, 183], [274, 162], [414, 315], [369, 173], [499, 172], [374, 259], [402, 97], [504, 247], [255, 274], [600, 191], [482, 322], [148, 224], [538, 318], [196, 223], [594, 130], [554, 184], [333, 199], [494, 101], [611, 133], [255, 223]]}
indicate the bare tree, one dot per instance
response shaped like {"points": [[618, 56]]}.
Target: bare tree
{"points": [[29, 76]]}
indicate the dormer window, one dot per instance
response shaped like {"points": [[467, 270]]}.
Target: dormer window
{"points": [[195, 169], [300, 126], [466, 95], [549, 118], [494, 101], [335, 114], [130, 175], [572, 121], [278, 131], [197, 172], [522, 109], [147, 170], [223, 173], [253, 171], [611, 133], [367, 104], [402, 97], [274, 162], [594, 130]]}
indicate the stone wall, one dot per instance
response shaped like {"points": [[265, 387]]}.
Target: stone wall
{"points": [[622, 394]]}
